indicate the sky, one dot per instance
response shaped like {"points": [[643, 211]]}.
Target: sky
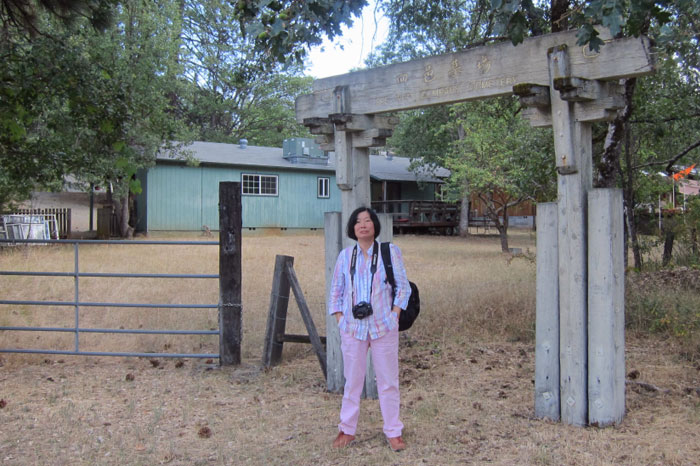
{"points": [[349, 50]]}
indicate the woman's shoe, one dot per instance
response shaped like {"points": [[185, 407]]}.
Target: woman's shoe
{"points": [[343, 440]]}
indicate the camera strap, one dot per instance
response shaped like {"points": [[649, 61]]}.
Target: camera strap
{"points": [[373, 268]]}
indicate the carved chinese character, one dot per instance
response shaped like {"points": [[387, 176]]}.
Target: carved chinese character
{"points": [[455, 69], [429, 74], [484, 64]]}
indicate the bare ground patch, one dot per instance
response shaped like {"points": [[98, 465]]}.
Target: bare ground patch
{"points": [[462, 404]]}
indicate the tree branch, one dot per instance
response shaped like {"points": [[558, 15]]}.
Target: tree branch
{"points": [[669, 163], [666, 120], [648, 387]]}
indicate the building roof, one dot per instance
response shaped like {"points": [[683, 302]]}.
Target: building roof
{"points": [[381, 168]]}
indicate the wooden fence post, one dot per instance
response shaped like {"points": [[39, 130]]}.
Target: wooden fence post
{"points": [[230, 308], [606, 311], [314, 338], [277, 315], [547, 314], [333, 231]]}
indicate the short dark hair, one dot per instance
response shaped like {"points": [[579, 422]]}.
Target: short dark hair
{"points": [[353, 220]]}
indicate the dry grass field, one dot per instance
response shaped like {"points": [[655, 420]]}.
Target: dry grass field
{"points": [[467, 369]]}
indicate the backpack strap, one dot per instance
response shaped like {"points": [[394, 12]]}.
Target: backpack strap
{"points": [[388, 267]]}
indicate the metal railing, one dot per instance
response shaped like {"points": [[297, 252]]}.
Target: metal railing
{"points": [[77, 303]]}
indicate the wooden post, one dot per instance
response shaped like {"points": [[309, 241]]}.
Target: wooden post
{"points": [[277, 314], [333, 229], [387, 233], [315, 340], [547, 314], [230, 309], [606, 313], [359, 193], [572, 145]]}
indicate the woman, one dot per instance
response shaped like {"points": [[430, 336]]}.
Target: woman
{"points": [[361, 300]]}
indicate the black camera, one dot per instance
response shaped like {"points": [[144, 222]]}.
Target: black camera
{"points": [[362, 310]]}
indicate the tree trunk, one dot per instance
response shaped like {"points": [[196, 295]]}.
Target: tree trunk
{"points": [[559, 15], [501, 226], [503, 234], [669, 236], [121, 209], [610, 160], [464, 215], [464, 212], [633, 238], [630, 203]]}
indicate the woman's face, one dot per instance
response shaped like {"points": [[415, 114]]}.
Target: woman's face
{"points": [[364, 227]]}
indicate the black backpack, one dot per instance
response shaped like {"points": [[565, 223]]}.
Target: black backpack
{"points": [[412, 310]]}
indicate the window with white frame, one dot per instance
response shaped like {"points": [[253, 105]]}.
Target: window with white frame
{"points": [[324, 187], [259, 185]]}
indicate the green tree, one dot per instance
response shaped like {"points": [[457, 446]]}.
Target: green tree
{"points": [[234, 89], [503, 160], [99, 106], [90, 104], [420, 28], [23, 15], [283, 29], [660, 136]]}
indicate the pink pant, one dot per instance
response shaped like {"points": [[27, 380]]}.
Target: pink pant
{"points": [[385, 357]]}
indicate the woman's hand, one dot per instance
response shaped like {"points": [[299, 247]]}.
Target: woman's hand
{"points": [[338, 315], [397, 310]]}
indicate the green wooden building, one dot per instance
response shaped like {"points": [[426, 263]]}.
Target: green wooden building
{"points": [[283, 188]]}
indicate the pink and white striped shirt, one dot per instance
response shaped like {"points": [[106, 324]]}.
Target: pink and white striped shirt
{"points": [[382, 320]]}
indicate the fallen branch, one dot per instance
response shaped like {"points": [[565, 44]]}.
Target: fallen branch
{"points": [[648, 387]]}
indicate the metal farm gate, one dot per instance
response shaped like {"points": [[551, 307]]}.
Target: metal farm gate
{"points": [[230, 322], [77, 304]]}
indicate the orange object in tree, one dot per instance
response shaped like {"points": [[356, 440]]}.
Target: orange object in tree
{"points": [[683, 173]]}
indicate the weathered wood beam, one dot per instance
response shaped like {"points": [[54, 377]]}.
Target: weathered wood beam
{"points": [[547, 402], [277, 313], [488, 71], [318, 346], [562, 123], [230, 257], [341, 99], [574, 89], [354, 122], [606, 307], [316, 121], [371, 138], [573, 151], [538, 117], [322, 129], [609, 100], [344, 176], [536, 104], [292, 338], [325, 142], [532, 95], [333, 240]]}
